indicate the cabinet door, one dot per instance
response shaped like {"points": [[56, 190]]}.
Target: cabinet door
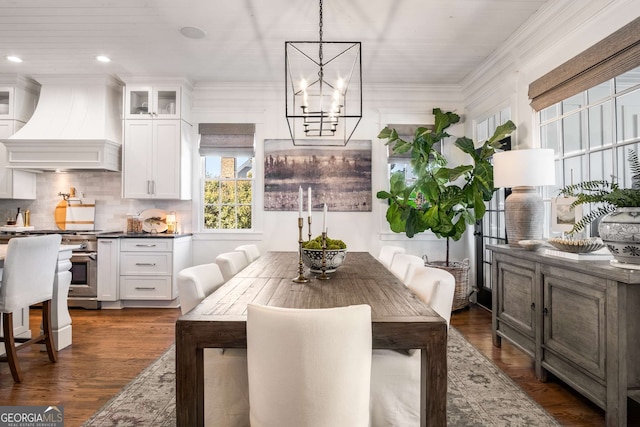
{"points": [[574, 320], [14, 184], [516, 297], [137, 170], [166, 102], [166, 159], [138, 102], [108, 269], [6, 102]]}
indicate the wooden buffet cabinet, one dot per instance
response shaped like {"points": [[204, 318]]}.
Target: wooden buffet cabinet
{"points": [[579, 320]]}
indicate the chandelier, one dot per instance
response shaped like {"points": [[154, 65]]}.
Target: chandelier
{"points": [[323, 83]]}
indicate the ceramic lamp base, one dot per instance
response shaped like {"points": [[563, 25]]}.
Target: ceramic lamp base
{"points": [[524, 215]]}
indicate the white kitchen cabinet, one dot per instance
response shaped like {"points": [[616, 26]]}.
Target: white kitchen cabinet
{"points": [[157, 159], [149, 268], [108, 269], [18, 98], [14, 184], [153, 102]]}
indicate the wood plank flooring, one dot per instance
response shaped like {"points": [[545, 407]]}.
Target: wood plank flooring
{"points": [[111, 347]]}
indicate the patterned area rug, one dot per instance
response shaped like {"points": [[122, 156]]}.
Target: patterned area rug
{"points": [[479, 394]]}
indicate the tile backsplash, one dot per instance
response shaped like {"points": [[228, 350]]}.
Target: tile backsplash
{"points": [[104, 187]]}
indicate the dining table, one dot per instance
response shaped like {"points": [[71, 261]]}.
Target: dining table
{"points": [[400, 321]]}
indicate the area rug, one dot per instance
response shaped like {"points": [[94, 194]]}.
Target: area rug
{"points": [[479, 394]]}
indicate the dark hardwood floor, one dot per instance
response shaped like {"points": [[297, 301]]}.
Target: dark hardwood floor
{"points": [[111, 347]]}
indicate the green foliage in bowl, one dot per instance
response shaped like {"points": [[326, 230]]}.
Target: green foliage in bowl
{"points": [[332, 244]]}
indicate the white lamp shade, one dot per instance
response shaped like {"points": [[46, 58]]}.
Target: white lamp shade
{"points": [[524, 168]]}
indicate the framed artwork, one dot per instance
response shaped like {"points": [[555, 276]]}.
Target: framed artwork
{"points": [[338, 176], [563, 216]]}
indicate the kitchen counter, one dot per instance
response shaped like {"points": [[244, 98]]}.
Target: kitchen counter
{"points": [[124, 235]]}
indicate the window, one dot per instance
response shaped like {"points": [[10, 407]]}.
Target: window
{"points": [[592, 132], [227, 193]]}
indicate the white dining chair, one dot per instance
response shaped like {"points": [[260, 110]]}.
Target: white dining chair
{"points": [[395, 376], [231, 263], [400, 266], [250, 251], [197, 282], [27, 279], [309, 367], [387, 253]]}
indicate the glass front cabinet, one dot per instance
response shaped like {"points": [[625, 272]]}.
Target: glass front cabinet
{"points": [[152, 102]]}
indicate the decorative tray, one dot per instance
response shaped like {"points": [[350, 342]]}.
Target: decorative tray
{"points": [[578, 246]]}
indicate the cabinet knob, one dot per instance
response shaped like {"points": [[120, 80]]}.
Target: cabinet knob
{"points": [[545, 311], [533, 306]]}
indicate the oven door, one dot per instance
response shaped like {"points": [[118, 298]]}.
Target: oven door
{"points": [[83, 291]]}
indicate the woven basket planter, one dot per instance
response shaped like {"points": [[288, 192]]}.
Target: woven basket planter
{"points": [[460, 271]]}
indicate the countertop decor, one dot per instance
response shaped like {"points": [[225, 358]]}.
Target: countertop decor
{"points": [[578, 246]]}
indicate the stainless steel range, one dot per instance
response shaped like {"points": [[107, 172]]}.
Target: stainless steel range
{"points": [[83, 291]]}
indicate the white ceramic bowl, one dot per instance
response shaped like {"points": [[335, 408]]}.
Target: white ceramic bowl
{"points": [[531, 245]]}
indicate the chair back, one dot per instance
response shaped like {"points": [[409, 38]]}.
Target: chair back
{"points": [[250, 251], [435, 287], [196, 283], [309, 367], [29, 271], [400, 266], [231, 263], [387, 253]]}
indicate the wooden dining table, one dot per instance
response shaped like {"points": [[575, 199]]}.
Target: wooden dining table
{"points": [[400, 321]]}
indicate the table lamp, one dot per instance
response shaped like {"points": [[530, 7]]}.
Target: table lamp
{"points": [[522, 170]]}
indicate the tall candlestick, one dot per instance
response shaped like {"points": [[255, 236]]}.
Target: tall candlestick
{"points": [[324, 219], [300, 202], [309, 200]]}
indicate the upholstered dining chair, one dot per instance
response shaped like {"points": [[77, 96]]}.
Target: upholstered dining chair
{"points": [[27, 279], [197, 282], [309, 367], [401, 266], [395, 377], [251, 251], [387, 253], [231, 263]]}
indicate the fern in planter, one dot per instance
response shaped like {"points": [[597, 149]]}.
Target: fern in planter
{"points": [[441, 199], [608, 194]]}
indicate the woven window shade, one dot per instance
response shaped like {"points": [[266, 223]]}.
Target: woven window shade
{"points": [[226, 139], [407, 133], [610, 57]]}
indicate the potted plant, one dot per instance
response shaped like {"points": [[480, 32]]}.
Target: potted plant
{"points": [[441, 199], [335, 253], [618, 211]]}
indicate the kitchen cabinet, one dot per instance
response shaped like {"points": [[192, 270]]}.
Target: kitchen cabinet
{"points": [[148, 269], [579, 320], [17, 103], [108, 269], [157, 146], [153, 102]]}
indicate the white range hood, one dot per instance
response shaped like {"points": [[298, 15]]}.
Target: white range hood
{"points": [[76, 126]]}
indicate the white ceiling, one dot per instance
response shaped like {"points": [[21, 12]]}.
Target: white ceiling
{"points": [[406, 41]]}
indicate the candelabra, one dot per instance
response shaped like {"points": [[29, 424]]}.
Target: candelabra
{"points": [[300, 278], [309, 219], [323, 275]]}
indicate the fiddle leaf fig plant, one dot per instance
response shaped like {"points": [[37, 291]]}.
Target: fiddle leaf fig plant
{"points": [[441, 199]]}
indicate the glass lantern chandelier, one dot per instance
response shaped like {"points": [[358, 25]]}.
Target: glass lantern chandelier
{"points": [[323, 90]]}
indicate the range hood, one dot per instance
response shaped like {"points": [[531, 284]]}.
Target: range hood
{"points": [[76, 126]]}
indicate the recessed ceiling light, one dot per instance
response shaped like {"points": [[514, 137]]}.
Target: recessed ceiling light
{"points": [[193, 32], [103, 58], [13, 58]]}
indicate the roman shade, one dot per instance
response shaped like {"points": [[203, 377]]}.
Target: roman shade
{"points": [[226, 139], [610, 57]]}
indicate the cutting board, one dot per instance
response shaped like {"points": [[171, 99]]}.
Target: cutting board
{"points": [[75, 214]]}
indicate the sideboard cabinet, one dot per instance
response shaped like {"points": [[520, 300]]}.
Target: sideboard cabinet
{"points": [[579, 320]]}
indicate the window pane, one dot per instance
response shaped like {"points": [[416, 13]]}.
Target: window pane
{"points": [[244, 191], [244, 217], [600, 126], [573, 103], [228, 217], [228, 192], [212, 167], [572, 133], [211, 191], [227, 195], [599, 92], [573, 170], [549, 136], [482, 130], [505, 115], [211, 217], [550, 112], [624, 171], [628, 80], [628, 116]]}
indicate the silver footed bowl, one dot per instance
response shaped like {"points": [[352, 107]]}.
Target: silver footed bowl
{"points": [[578, 246], [334, 258]]}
